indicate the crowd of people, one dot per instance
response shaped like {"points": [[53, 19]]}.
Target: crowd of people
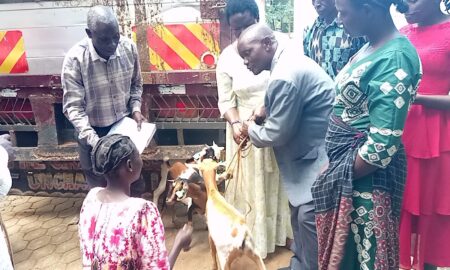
{"points": [[348, 145]]}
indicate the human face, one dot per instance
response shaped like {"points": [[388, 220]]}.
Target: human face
{"points": [[325, 8], [240, 21], [255, 54], [421, 10], [351, 17], [105, 38]]}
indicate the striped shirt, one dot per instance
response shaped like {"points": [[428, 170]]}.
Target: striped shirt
{"points": [[99, 92], [330, 46]]}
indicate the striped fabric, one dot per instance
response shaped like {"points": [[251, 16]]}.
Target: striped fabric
{"points": [[99, 92]]}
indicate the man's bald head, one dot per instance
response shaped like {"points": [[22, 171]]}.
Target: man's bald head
{"points": [[103, 30], [256, 32], [100, 15], [257, 45]]}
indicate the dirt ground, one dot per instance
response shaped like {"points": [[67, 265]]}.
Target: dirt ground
{"points": [[43, 238]]}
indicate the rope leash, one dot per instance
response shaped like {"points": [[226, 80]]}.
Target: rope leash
{"points": [[237, 153]]}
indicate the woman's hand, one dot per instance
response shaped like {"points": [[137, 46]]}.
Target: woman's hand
{"points": [[237, 131]]}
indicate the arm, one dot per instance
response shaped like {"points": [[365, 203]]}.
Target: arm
{"points": [[433, 101], [136, 89], [182, 241], [387, 114], [227, 99], [286, 107], [150, 240], [73, 101]]}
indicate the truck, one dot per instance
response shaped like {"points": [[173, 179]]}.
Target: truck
{"points": [[178, 42]]}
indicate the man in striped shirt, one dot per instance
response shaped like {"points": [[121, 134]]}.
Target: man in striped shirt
{"points": [[326, 42], [102, 83]]}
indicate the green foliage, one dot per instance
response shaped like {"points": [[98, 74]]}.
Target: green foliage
{"points": [[280, 15]]}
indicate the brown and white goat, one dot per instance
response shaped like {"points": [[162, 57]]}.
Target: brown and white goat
{"points": [[187, 187], [230, 239]]}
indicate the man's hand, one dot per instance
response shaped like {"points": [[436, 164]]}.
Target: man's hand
{"points": [[259, 115], [5, 142], [139, 118]]}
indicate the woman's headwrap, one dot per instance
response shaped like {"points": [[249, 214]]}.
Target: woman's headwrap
{"points": [[109, 152]]}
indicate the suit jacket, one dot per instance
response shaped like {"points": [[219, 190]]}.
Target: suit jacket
{"points": [[298, 103]]}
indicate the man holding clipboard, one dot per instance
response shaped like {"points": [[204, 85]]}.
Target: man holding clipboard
{"points": [[102, 83]]}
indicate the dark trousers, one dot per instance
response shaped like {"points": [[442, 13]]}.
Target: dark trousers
{"points": [[305, 248], [93, 180]]}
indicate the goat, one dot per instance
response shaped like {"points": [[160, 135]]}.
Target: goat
{"points": [[187, 187], [229, 236]]}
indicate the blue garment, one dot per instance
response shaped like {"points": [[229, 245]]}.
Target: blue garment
{"points": [[298, 103], [330, 46]]}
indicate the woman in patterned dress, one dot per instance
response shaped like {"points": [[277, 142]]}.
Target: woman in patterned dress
{"points": [[358, 197], [425, 222], [257, 190], [117, 231]]}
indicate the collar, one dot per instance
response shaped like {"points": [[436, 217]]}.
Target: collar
{"points": [[334, 23], [96, 57], [276, 56]]}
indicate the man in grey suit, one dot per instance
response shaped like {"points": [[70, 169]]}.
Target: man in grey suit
{"points": [[297, 106]]}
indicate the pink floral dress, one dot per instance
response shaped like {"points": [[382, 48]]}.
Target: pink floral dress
{"points": [[121, 235]]}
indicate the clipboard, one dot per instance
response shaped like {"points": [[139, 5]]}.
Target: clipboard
{"points": [[128, 127]]}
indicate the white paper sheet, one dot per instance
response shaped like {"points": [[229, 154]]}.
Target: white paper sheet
{"points": [[128, 127]]}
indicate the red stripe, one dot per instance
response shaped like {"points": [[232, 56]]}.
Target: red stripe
{"points": [[166, 53], [21, 66], [213, 29], [188, 39], [153, 67], [8, 43]]}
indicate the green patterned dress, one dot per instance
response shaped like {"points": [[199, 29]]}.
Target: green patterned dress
{"points": [[373, 95]]}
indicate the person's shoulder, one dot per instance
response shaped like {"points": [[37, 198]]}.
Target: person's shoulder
{"points": [[230, 50], [127, 44], [143, 205], [402, 49], [92, 194], [228, 58], [78, 49], [292, 54]]}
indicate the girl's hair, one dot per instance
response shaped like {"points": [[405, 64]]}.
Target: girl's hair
{"points": [[401, 5], [240, 6], [109, 152]]}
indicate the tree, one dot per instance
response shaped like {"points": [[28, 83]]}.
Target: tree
{"points": [[280, 15]]}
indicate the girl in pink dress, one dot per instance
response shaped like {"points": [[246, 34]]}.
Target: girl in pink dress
{"points": [[425, 221], [117, 231]]}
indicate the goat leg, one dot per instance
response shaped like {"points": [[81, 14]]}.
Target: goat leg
{"points": [[213, 249], [162, 184]]}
